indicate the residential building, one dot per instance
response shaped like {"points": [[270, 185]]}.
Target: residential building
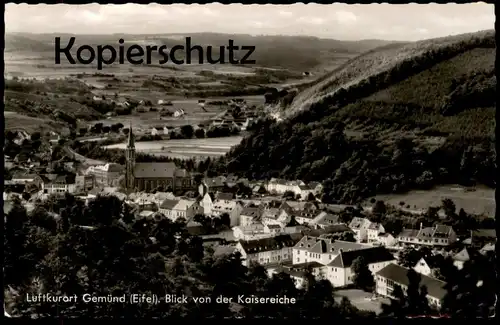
{"points": [[223, 196], [373, 231], [232, 208], [107, 174], [325, 219], [386, 239], [175, 209], [296, 206], [461, 258], [298, 272], [339, 271], [360, 228], [84, 183], [424, 267], [206, 203], [250, 215], [439, 235], [272, 229], [275, 216], [480, 237], [58, 184], [250, 232], [268, 251], [321, 250], [215, 184], [392, 275]]}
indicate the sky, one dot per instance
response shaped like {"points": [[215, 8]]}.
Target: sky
{"points": [[408, 22]]}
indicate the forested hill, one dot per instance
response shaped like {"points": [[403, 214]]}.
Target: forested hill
{"points": [[366, 129]]}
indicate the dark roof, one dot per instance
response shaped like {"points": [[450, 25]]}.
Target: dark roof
{"points": [[485, 233], [254, 212], [399, 274], [270, 244], [168, 204], [215, 182], [155, 170], [333, 229], [58, 179], [224, 196], [370, 255]]}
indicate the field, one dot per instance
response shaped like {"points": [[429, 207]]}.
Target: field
{"points": [[194, 114], [29, 124], [480, 202], [185, 148]]}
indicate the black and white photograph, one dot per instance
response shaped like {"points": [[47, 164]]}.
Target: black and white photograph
{"points": [[300, 161]]}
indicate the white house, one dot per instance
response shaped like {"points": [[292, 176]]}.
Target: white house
{"points": [[321, 250], [297, 272], [174, 209], [340, 273], [275, 216], [232, 208], [461, 257], [58, 184], [373, 231], [272, 229], [325, 219], [179, 112], [206, 203], [250, 215], [394, 275], [386, 239], [439, 235], [251, 232], [423, 267], [360, 228], [267, 251]]}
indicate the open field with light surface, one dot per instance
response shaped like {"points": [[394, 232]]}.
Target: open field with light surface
{"points": [[481, 201], [362, 300], [185, 148]]}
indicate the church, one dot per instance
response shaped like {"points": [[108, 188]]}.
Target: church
{"points": [[148, 176]]}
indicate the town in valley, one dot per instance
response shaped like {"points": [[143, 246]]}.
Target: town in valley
{"points": [[203, 182]]}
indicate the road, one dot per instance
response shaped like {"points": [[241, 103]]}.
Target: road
{"points": [[82, 159]]}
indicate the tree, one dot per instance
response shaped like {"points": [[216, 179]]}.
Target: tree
{"points": [[409, 257], [187, 131], [199, 133], [449, 208], [379, 208], [348, 236], [363, 278]]}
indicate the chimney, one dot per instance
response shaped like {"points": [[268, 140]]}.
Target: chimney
{"points": [[420, 226]]}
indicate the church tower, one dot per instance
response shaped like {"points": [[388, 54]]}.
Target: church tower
{"points": [[130, 160]]}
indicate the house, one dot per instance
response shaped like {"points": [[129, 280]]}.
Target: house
{"points": [[394, 275], [439, 235], [231, 180], [250, 215], [360, 228], [373, 231], [250, 232], [325, 219], [480, 237], [158, 130], [179, 112], [424, 267], [305, 217], [216, 183], [107, 174], [487, 249], [206, 203], [294, 206], [275, 216], [386, 239], [280, 186], [330, 231], [340, 273], [58, 184], [23, 177], [272, 229], [259, 189], [461, 257], [305, 190], [321, 250], [298, 272], [174, 209], [268, 251], [84, 183], [232, 208], [316, 187]]}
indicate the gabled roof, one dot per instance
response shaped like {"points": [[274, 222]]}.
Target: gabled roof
{"points": [[463, 255], [327, 246], [329, 230], [155, 170], [169, 204], [325, 218], [270, 244], [224, 196], [370, 255], [253, 212], [399, 274], [359, 223]]}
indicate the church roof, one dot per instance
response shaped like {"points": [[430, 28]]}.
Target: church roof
{"points": [[155, 170]]}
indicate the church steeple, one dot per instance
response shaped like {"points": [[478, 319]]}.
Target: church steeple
{"points": [[130, 160], [131, 138]]}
